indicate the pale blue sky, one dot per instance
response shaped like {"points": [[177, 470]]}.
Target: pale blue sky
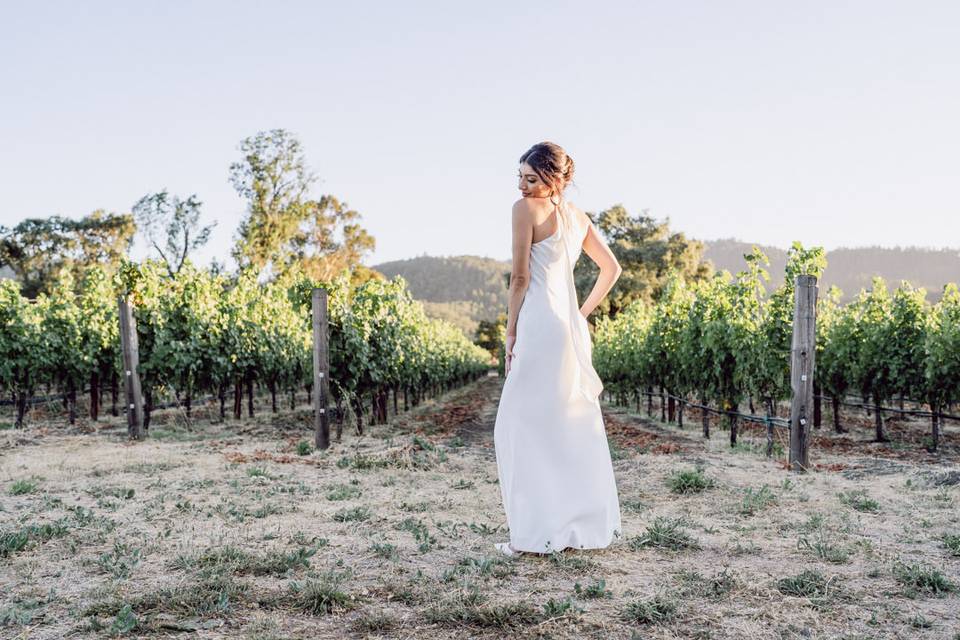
{"points": [[832, 123]]}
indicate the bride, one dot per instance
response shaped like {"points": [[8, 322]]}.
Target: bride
{"points": [[553, 460]]}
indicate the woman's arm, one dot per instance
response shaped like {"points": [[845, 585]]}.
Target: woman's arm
{"points": [[610, 269], [520, 270]]}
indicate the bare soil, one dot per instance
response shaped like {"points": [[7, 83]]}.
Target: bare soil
{"points": [[228, 531]]}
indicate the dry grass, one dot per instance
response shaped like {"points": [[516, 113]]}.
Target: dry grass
{"points": [[241, 531]]}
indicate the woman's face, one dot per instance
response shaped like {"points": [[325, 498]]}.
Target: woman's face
{"points": [[531, 186]]}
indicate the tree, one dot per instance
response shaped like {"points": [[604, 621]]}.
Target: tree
{"points": [[37, 249], [648, 253], [491, 335], [283, 225], [171, 226]]}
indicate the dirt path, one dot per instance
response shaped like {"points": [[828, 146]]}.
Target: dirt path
{"points": [[228, 532]]}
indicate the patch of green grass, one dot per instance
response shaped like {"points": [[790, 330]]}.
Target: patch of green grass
{"points": [[125, 622], [754, 501], [745, 548], [230, 559], [689, 481], [23, 487], [304, 448], [385, 550], [483, 528], [555, 608], [810, 584], [479, 567], [19, 612], [149, 468], [858, 500], [375, 621], [356, 514], [322, 595], [121, 561], [918, 621], [921, 579], [343, 492], [100, 491], [17, 540], [420, 533], [206, 594], [659, 609], [821, 547], [715, 587], [258, 472], [952, 543], [596, 590], [664, 533], [633, 506], [469, 609], [572, 562]]}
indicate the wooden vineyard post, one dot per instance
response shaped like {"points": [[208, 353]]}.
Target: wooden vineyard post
{"points": [[802, 362], [321, 370], [131, 378]]}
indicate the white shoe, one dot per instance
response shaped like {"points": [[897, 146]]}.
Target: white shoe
{"points": [[504, 548]]}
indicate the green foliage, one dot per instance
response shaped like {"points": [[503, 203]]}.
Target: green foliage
{"points": [[650, 255], [721, 340], [689, 481], [203, 332], [38, 249], [171, 226], [284, 228]]}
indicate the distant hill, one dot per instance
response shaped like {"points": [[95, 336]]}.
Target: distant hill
{"points": [[467, 289], [461, 289], [853, 269]]}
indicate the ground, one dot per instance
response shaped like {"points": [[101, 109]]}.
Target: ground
{"points": [[241, 531]]}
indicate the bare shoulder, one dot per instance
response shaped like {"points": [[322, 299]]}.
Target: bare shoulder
{"points": [[582, 218], [523, 204], [523, 210]]}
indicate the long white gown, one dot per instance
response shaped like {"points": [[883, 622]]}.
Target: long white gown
{"points": [[553, 459]]}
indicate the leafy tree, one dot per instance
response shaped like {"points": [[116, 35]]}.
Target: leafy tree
{"points": [[648, 253], [284, 226], [37, 249], [171, 226], [488, 337]]}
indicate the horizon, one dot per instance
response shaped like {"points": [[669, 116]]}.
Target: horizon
{"points": [[902, 248]]}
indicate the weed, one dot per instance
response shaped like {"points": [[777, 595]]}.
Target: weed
{"points": [[321, 595], [23, 487], [656, 610], [689, 481], [859, 500], [356, 514], [664, 533], [596, 590], [921, 579], [754, 501]]}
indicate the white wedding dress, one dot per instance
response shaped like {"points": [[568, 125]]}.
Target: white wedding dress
{"points": [[553, 459]]}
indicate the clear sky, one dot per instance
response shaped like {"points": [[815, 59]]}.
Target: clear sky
{"points": [[830, 122]]}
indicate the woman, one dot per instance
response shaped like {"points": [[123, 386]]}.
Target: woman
{"points": [[553, 460]]}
